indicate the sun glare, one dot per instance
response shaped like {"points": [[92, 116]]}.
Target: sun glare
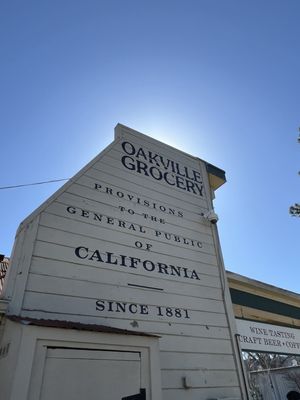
{"points": [[198, 143]]}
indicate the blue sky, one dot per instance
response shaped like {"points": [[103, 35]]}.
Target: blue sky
{"points": [[217, 79]]}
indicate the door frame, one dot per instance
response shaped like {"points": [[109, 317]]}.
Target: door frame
{"points": [[35, 341]]}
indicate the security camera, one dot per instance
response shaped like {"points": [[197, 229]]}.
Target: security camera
{"points": [[211, 216]]}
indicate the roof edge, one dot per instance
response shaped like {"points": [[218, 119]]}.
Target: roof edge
{"points": [[64, 324]]}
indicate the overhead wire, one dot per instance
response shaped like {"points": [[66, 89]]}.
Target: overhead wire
{"points": [[33, 184]]}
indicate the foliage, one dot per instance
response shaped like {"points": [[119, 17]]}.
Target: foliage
{"points": [[260, 361], [266, 362], [295, 209]]}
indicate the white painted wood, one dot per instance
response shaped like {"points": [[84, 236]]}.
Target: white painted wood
{"points": [[11, 274], [63, 305], [194, 361], [127, 322], [123, 245], [63, 253], [71, 354], [112, 232], [23, 266], [88, 246], [199, 379], [208, 288], [113, 165], [90, 290], [122, 186], [126, 258], [10, 339], [213, 393], [205, 345], [36, 341], [86, 195], [89, 375], [174, 328], [99, 214]]}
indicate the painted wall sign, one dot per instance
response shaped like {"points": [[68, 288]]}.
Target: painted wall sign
{"points": [[124, 243], [157, 167], [257, 336]]}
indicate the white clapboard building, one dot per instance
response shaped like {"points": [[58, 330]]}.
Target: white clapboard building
{"points": [[117, 288]]}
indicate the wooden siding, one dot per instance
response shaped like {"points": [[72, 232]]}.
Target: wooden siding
{"points": [[174, 288]]}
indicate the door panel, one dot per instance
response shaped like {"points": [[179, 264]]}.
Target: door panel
{"points": [[75, 374]]}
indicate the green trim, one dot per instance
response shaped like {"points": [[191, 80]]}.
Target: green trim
{"points": [[213, 170], [262, 303]]}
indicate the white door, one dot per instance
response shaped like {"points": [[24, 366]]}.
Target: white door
{"points": [[77, 374]]}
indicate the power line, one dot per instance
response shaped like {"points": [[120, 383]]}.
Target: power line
{"points": [[32, 184]]}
